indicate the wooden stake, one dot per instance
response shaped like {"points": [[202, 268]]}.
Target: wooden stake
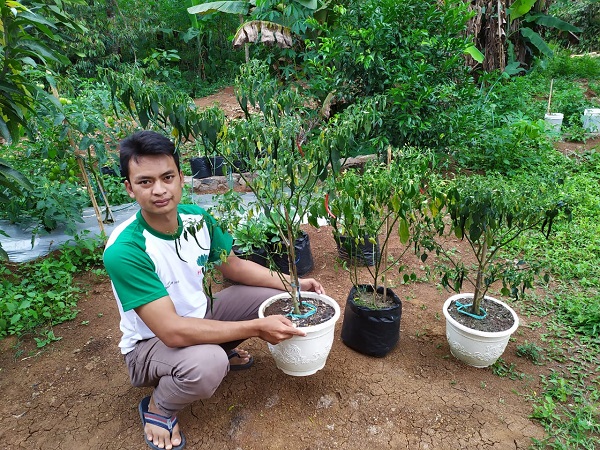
{"points": [[103, 194], [387, 229], [550, 96], [86, 180]]}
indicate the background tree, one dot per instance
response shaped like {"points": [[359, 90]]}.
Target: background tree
{"points": [[30, 39], [509, 30]]}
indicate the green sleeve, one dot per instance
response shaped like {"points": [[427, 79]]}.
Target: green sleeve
{"points": [[133, 275]]}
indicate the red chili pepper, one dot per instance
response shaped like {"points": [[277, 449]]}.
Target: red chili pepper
{"points": [[327, 207], [299, 148]]}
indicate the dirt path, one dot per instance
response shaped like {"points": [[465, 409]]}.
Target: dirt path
{"points": [[75, 394]]}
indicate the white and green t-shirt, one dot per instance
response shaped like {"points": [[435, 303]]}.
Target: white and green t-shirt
{"points": [[145, 265]]}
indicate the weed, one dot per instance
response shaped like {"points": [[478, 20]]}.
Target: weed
{"points": [[44, 292], [502, 369], [530, 351], [47, 337]]}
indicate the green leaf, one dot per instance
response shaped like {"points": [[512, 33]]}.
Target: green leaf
{"points": [[15, 319], [520, 7], [553, 22], [231, 7], [3, 257], [537, 41], [513, 68], [475, 53], [403, 231], [7, 172], [310, 4]]}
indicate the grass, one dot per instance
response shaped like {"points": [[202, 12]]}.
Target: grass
{"points": [[569, 404]]}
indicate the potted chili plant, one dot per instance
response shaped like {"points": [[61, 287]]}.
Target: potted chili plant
{"points": [[379, 201], [489, 213], [210, 130], [286, 168]]}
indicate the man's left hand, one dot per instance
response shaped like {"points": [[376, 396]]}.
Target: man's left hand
{"points": [[310, 284]]}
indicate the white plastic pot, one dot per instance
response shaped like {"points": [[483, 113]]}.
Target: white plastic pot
{"points": [[473, 347], [554, 121], [591, 120], [304, 355]]}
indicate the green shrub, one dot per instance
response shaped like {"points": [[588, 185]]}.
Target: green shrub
{"points": [[412, 52], [44, 292]]}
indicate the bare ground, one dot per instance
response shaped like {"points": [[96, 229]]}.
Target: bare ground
{"points": [[75, 393]]}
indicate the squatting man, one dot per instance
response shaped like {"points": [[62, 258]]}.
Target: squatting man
{"points": [[172, 341]]}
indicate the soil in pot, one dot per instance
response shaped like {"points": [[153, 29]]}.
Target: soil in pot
{"points": [[368, 298], [371, 321], [285, 306], [498, 318]]}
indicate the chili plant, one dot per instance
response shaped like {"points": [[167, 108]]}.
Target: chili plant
{"points": [[489, 213], [379, 201]]}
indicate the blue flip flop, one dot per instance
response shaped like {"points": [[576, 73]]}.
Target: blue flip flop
{"points": [[245, 366], [161, 421]]}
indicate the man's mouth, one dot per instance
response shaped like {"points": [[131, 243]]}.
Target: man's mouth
{"points": [[162, 202]]}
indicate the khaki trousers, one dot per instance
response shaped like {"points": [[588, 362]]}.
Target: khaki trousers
{"points": [[183, 375]]}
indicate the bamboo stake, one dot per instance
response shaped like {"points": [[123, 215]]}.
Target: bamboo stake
{"points": [[86, 180], [387, 228], [103, 194], [550, 96]]}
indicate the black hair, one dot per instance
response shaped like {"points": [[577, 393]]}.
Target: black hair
{"points": [[145, 143]]}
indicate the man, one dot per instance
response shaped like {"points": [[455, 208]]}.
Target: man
{"points": [[172, 339]]}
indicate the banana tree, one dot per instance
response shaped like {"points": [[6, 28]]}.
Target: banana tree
{"points": [[270, 22], [509, 31]]}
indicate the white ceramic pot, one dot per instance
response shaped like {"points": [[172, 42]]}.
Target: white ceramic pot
{"points": [[473, 347], [304, 355], [554, 121], [591, 120]]}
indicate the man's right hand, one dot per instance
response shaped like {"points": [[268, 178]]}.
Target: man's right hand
{"points": [[275, 329]]}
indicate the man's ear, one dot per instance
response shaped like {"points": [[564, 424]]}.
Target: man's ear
{"points": [[128, 188], [182, 179]]}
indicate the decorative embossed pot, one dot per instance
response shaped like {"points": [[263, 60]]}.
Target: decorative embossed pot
{"points": [[473, 347], [304, 355]]}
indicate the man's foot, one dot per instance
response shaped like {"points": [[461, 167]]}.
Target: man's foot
{"points": [[160, 432], [239, 359]]}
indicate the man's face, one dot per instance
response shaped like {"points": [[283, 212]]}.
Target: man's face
{"points": [[155, 184]]}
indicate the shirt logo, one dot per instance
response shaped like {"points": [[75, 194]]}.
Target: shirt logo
{"points": [[202, 260]]}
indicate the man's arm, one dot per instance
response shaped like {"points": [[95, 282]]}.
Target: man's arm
{"points": [[176, 331], [251, 274]]}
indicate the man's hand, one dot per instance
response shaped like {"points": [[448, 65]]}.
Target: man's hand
{"points": [[275, 329], [310, 284]]}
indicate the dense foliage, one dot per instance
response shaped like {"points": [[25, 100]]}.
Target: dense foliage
{"points": [[412, 52]]}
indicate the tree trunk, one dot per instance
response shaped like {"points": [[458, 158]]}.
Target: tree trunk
{"points": [[493, 31]]}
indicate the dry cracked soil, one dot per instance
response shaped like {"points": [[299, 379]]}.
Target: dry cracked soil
{"points": [[75, 393]]}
